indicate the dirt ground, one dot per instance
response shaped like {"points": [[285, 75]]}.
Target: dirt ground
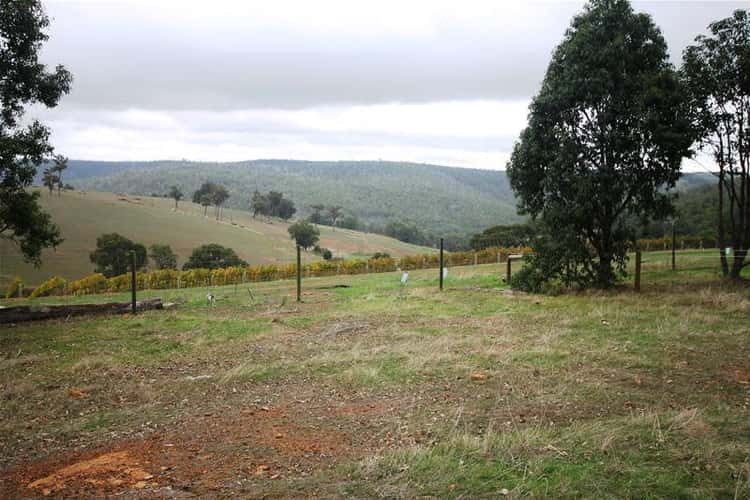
{"points": [[220, 453]]}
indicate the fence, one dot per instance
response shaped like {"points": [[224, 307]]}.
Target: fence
{"points": [[172, 278]]}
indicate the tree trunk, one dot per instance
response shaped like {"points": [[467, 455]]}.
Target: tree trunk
{"points": [[737, 263], [722, 234], [605, 277]]}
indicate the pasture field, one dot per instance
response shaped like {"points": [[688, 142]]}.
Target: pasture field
{"points": [[83, 217], [370, 390]]}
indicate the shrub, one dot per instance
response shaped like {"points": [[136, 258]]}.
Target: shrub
{"points": [[14, 288], [112, 256], [213, 256], [382, 264], [528, 279], [53, 286], [93, 283]]}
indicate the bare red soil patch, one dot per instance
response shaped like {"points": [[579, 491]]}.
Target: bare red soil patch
{"points": [[208, 453]]}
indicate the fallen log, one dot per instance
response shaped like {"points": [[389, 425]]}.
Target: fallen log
{"points": [[18, 314]]}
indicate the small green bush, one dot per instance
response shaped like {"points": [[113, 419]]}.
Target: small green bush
{"points": [[529, 279]]}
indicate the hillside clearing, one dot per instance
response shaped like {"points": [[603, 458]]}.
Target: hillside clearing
{"points": [[374, 391], [83, 217]]}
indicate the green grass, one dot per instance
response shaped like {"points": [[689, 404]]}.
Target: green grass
{"points": [[82, 217], [470, 393]]}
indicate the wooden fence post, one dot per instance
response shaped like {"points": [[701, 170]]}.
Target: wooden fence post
{"points": [[441, 264], [299, 275], [132, 280], [508, 270], [637, 270]]}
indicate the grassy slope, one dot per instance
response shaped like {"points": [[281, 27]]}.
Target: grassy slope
{"points": [[83, 217], [608, 395]]}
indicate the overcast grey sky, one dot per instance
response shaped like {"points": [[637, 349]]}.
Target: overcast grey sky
{"points": [[433, 81]]}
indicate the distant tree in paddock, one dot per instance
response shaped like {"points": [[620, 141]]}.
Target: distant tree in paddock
{"points": [[316, 217], [205, 202], [258, 203], [163, 256], [113, 254], [273, 198], [49, 179], [334, 213], [218, 197], [176, 194], [213, 256], [285, 209], [211, 193], [272, 204], [304, 234], [61, 164]]}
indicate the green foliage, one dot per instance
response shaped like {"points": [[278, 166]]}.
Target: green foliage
{"points": [[606, 135], [304, 234], [515, 235], [176, 194], [211, 193], [14, 288], [334, 214], [163, 256], [213, 256], [409, 233], [716, 72], [272, 204], [49, 179], [381, 255], [53, 286], [60, 164], [24, 144], [326, 254], [23, 222], [112, 256]]}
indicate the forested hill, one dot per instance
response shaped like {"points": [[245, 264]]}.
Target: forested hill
{"points": [[439, 200]]}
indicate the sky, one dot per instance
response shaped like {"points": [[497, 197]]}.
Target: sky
{"points": [[444, 82]]}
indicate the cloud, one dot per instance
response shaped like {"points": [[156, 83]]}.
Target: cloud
{"points": [[333, 78], [472, 133]]}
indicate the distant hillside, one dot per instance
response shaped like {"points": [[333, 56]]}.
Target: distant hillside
{"points": [[83, 217], [439, 200]]}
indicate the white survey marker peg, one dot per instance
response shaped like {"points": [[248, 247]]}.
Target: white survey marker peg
{"points": [[404, 278]]}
